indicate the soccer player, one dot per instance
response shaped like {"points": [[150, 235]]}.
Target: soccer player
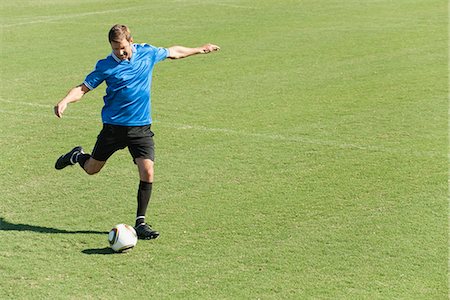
{"points": [[126, 114]]}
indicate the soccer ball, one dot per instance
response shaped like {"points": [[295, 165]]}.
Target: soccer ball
{"points": [[122, 238]]}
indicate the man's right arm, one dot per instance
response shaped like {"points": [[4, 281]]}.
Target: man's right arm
{"points": [[73, 95]]}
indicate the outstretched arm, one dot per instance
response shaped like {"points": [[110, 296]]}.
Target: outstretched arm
{"points": [[73, 95], [176, 52]]}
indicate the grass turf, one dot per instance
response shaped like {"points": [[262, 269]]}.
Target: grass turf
{"points": [[307, 159]]}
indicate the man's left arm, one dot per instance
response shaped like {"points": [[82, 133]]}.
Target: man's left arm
{"points": [[176, 52]]}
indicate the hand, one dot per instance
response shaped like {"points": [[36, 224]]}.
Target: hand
{"points": [[60, 108], [209, 48]]}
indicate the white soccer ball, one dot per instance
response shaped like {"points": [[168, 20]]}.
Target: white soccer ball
{"points": [[122, 238]]}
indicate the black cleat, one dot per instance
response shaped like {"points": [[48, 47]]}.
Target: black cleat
{"points": [[68, 159], [145, 232]]}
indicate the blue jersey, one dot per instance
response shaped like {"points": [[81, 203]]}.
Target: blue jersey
{"points": [[127, 100]]}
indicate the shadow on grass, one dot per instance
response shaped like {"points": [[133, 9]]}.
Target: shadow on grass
{"points": [[99, 251], [7, 226]]}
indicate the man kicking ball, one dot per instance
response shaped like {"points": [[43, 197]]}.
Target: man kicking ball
{"points": [[126, 114]]}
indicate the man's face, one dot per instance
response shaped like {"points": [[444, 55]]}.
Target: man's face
{"points": [[122, 49]]}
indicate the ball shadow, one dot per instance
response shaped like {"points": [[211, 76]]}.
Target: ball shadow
{"points": [[99, 251]]}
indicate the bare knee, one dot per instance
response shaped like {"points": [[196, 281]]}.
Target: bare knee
{"points": [[91, 171], [146, 175], [145, 167], [93, 166]]}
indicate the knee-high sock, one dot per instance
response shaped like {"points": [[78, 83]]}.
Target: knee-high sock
{"points": [[82, 158], [143, 198]]}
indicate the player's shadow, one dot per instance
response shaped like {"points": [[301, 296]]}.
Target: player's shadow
{"points": [[8, 226]]}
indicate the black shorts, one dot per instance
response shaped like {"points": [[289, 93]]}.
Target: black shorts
{"points": [[138, 139]]}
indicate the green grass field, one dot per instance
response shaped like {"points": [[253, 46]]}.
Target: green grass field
{"points": [[308, 159]]}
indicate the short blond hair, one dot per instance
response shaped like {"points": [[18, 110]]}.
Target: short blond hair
{"points": [[119, 32]]}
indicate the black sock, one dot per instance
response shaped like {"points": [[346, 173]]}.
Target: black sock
{"points": [[143, 198], [82, 158]]}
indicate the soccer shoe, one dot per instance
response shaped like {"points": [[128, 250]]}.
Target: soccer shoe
{"points": [[145, 232], [68, 159]]}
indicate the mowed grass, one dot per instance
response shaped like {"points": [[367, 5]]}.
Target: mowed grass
{"points": [[305, 160]]}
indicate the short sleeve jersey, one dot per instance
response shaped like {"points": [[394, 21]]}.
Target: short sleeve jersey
{"points": [[128, 99]]}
